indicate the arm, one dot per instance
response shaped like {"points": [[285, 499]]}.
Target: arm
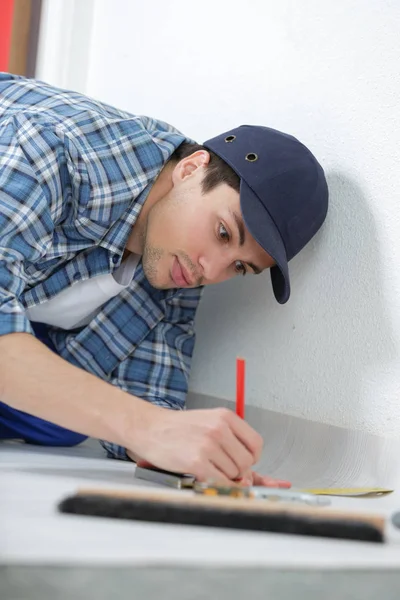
{"points": [[37, 381], [206, 443], [212, 444], [32, 378]]}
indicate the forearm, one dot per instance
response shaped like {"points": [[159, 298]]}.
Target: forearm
{"points": [[35, 380], [211, 444]]}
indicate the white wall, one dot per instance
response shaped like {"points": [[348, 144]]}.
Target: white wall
{"points": [[65, 42], [327, 72]]}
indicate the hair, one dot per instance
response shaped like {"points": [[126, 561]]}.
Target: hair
{"points": [[217, 170]]}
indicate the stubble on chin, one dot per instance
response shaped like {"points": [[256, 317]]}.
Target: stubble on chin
{"points": [[151, 259]]}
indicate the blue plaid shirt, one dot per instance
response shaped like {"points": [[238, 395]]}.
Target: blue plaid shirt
{"points": [[74, 174]]}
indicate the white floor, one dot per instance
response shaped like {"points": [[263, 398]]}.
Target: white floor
{"points": [[33, 480]]}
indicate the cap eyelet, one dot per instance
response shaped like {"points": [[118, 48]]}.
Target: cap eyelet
{"points": [[251, 157], [230, 138]]}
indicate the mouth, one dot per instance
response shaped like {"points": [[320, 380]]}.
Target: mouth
{"points": [[179, 274]]}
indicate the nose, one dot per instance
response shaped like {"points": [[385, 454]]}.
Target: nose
{"points": [[215, 265]]}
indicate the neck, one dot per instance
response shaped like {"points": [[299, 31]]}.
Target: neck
{"points": [[161, 187]]}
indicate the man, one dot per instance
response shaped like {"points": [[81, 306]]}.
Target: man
{"points": [[110, 225]]}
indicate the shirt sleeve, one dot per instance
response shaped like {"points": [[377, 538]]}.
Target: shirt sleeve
{"points": [[159, 369], [36, 175], [26, 222]]}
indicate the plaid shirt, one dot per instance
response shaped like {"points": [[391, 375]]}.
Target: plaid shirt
{"points": [[74, 174]]}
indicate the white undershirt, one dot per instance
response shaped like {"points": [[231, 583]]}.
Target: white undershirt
{"points": [[77, 305]]}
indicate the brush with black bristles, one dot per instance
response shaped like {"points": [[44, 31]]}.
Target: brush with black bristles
{"points": [[221, 511]]}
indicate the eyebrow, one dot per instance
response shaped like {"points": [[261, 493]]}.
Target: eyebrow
{"points": [[242, 238]]}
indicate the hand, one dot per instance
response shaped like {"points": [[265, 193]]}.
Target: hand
{"points": [[209, 444], [253, 478]]}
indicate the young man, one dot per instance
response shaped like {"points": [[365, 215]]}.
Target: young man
{"points": [[110, 224]]}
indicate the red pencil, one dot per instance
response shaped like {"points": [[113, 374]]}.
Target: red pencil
{"points": [[240, 375]]}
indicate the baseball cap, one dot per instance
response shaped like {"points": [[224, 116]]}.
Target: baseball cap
{"points": [[283, 193]]}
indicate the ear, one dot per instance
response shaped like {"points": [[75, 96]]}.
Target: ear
{"points": [[188, 166]]}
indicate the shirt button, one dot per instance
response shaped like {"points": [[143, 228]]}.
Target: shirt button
{"points": [[115, 258]]}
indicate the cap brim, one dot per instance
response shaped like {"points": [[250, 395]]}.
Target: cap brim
{"points": [[264, 231]]}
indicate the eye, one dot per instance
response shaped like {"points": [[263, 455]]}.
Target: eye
{"points": [[223, 233], [240, 267]]}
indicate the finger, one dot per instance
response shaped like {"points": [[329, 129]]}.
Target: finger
{"points": [[269, 481], [246, 480], [237, 452], [224, 458], [248, 436], [211, 473]]}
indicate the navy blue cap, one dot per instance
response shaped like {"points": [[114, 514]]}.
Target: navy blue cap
{"points": [[283, 193]]}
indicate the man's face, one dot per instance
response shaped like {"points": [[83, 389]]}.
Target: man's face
{"points": [[194, 239]]}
